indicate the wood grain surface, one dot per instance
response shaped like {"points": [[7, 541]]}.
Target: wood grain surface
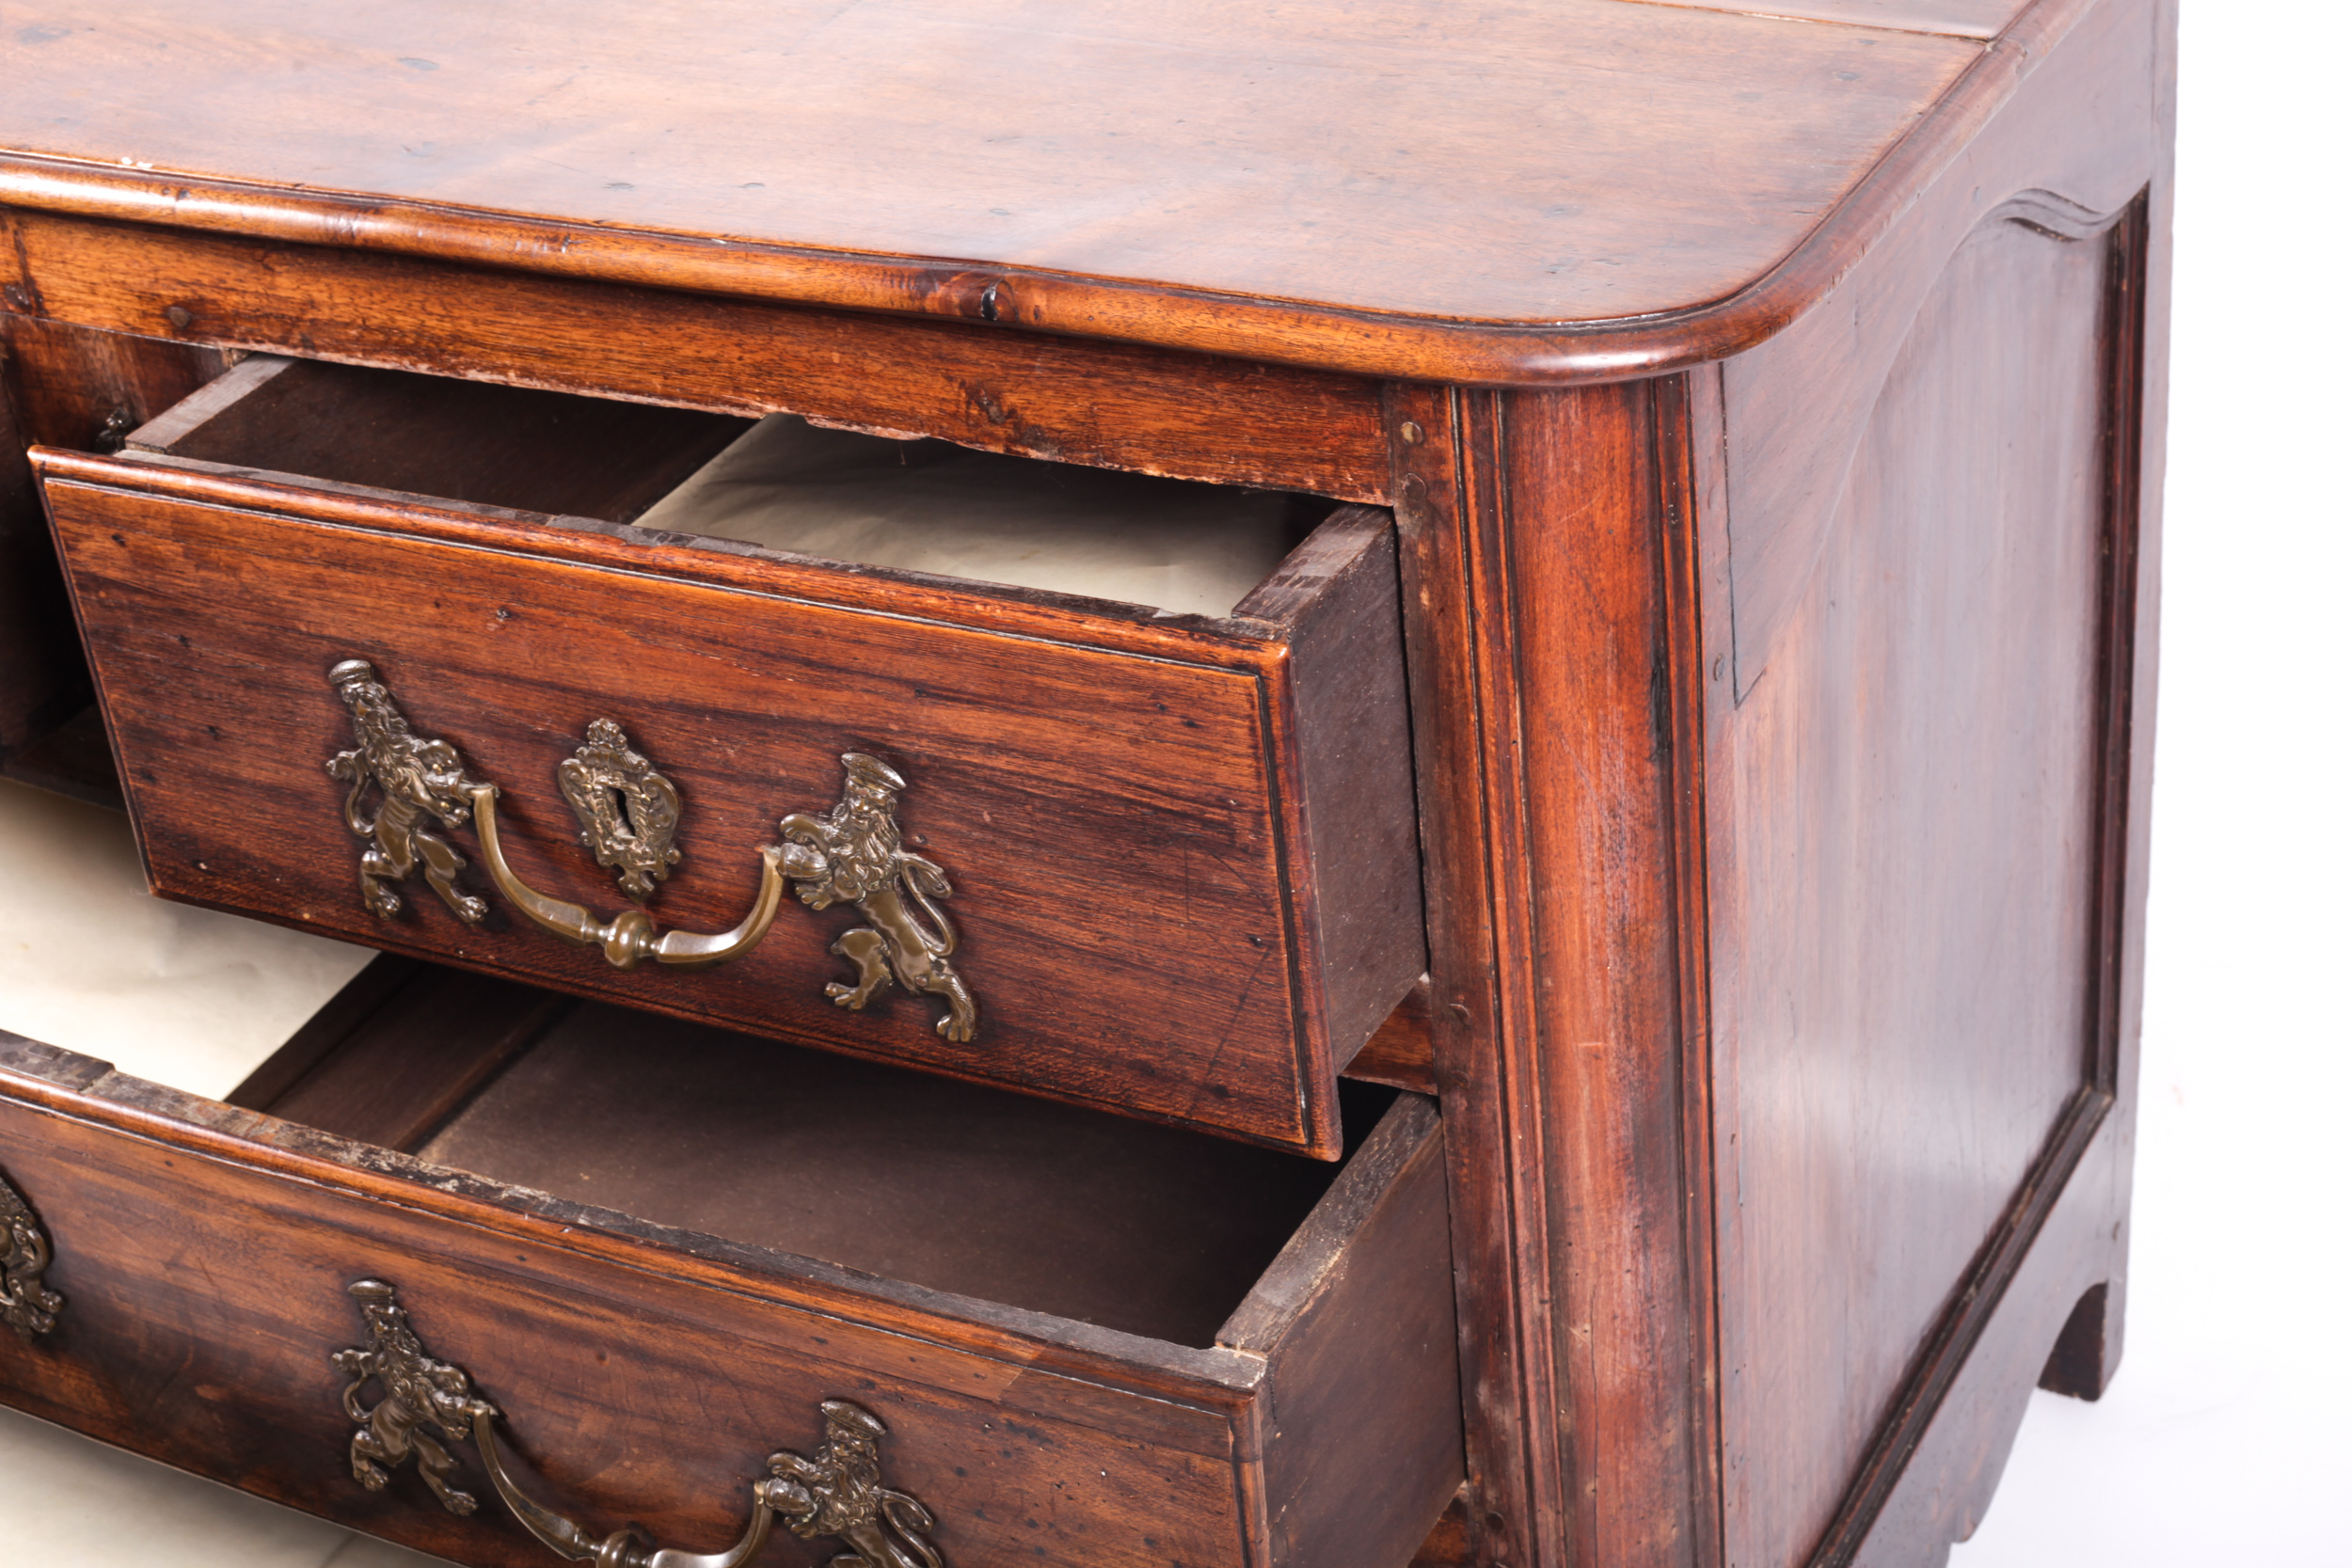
{"points": [[1979, 19], [1110, 404], [509, 447], [1135, 884], [1933, 847], [62, 386], [205, 1268], [1403, 191], [1633, 921], [1781, 729], [1549, 579], [1922, 811]]}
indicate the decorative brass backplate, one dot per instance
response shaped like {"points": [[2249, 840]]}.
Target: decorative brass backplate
{"points": [[420, 1395], [853, 855], [838, 1493], [628, 812], [26, 1305], [628, 819], [418, 779]]}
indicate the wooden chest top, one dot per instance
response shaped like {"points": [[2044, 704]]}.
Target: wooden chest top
{"points": [[1401, 188]]}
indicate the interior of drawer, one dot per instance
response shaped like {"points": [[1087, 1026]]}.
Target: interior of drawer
{"points": [[1151, 1230], [780, 483], [1031, 1204]]}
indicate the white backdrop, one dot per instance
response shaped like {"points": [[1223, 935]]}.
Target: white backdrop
{"points": [[2224, 1439]]}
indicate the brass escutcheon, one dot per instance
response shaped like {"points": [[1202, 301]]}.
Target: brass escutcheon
{"points": [[628, 812], [428, 1405]]}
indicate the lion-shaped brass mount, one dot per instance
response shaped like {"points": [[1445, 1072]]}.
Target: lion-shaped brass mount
{"points": [[418, 780], [26, 1305], [628, 816], [836, 1493]]}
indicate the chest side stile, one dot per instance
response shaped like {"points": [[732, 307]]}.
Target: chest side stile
{"points": [[1547, 592]]}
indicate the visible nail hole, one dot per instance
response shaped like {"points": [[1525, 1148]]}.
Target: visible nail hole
{"points": [[1410, 433], [179, 316]]}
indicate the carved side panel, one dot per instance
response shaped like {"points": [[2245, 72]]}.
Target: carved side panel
{"points": [[1911, 814]]}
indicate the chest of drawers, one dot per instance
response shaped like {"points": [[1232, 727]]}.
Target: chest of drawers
{"points": [[1582, 1014]]}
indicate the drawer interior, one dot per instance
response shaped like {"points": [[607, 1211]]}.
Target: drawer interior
{"points": [[658, 1247], [1048, 1208], [779, 483]]}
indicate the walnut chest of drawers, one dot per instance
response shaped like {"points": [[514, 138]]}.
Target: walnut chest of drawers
{"points": [[1582, 1013]]}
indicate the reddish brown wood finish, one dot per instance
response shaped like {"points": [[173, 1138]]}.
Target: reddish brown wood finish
{"points": [[1599, 1010], [418, 1055], [431, 436], [1715, 1307], [62, 387], [1105, 404], [1399, 1051], [1890, 940], [1221, 180], [1136, 811], [1548, 587], [1979, 19], [644, 1373], [1970, 601]]}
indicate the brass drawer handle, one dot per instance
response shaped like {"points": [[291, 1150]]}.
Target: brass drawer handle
{"points": [[629, 817], [26, 1305], [838, 1493], [627, 939]]}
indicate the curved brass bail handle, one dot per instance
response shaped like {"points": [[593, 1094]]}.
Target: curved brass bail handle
{"points": [[627, 938], [623, 1548], [429, 1406]]}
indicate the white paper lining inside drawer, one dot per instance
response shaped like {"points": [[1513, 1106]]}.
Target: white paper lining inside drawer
{"points": [[930, 506], [90, 962]]}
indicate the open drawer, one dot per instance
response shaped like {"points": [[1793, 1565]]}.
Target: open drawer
{"points": [[1087, 1340], [1163, 864]]}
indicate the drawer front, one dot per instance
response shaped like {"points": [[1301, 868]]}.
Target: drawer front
{"points": [[1132, 870], [204, 1283]]}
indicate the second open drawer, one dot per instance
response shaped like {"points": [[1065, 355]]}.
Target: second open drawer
{"points": [[1161, 863], [654, 1254]]}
